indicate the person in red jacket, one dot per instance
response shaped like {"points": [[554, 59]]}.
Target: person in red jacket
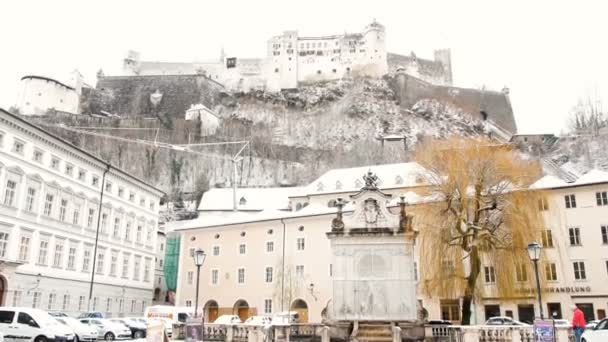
{"points": [[578, 322]]}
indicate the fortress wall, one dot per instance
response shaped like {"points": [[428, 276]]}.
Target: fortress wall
{"points": [[495, 105], [130, 95], [434, 72]]}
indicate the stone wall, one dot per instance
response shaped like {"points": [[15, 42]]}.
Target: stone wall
{"points": [[436, 72]]}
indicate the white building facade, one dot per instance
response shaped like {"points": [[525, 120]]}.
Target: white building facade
{"points": [[49, 212], [40, 94], [275, 260]]}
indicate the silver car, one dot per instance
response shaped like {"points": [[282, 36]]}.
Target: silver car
{"points": [[107, 330]]}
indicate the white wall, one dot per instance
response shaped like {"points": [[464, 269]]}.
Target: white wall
{"points": [[40, 95]]}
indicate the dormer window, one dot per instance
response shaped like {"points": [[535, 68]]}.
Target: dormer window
{"points": [[242, 201], [338, 185], [320, 186]]}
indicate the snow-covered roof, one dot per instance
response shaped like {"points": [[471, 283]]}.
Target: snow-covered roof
{"points": [[591, 177], [248, 199], [351, 179]]}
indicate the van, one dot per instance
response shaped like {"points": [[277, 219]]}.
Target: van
{"points": [[168, 315], [31, 325]]}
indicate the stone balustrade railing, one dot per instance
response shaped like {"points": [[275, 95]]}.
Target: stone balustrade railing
{"points": [[488, 333]]}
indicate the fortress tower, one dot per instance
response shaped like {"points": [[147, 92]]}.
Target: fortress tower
{"points": [[131, 63], [374, 37], [444, 56]]}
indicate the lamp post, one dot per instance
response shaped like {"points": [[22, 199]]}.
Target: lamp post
{"points": [[534, 253], [199, 259]]}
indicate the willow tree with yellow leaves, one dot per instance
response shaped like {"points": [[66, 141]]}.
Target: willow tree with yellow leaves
{"points": [[480, 218]]}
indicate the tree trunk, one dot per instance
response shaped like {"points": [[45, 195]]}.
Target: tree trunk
{"points": [[470, 289]]}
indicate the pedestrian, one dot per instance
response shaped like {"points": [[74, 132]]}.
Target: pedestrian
{"points": [[578, 322]]}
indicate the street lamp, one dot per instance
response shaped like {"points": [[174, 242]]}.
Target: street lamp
{"points": [[199, 259], [534, 253]]}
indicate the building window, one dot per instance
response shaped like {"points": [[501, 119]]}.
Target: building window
{"points": [[242, 248], [579, 270], [136, 265], [188, 303], [108, 187], [121, 192], [58, 257], [300, 271], [490, 274], [80, 303], [48, 205], [125, 266], [54, 163], [131, 196], [109, 305], [415, 271], [542, 204], [72, 258], [189, 277], [104, 222], [90, 218], [9, 194], [276, 70], [36, 300], [128, 232], [551, 271], [95, 181], [268, 274], [267, 306], [3, 244], [214, 277], [18, 147], [450, 310], [300, 244], [147, 270], [16, 298], [138, 234], [575, 236], [216, 250], [51, 303], [63, 209], [521, 272], [29, 199], [38, 156], [43, 252], [101, 256], [24, 248], [69, 170], [81, 175], [547, 238], [604, 230], [86, 260], [133, 303], [113, 261], [116, 232], [76, 215], [66, 302], [601, 198], [269, 246], [241, 275], [142, 202], [570, 201]]}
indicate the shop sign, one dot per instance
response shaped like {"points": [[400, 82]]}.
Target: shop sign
{"points": [[558, 289]]}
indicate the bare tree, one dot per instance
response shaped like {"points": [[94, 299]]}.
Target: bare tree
{"points": [[588, 115], [480, 221]]}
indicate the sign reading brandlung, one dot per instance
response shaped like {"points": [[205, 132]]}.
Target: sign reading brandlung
{"points": [[560, 289]]}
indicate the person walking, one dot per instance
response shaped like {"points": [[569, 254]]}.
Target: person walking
{"points": [[578, 322]]}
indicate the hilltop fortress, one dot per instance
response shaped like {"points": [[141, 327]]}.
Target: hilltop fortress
{"points": [[292, 60]]}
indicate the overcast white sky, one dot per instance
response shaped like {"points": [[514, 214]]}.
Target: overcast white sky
{"points": [[549, 53]]}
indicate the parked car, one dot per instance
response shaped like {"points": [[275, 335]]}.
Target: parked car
{"points": [[138, 329], [504, 320], [91, 314], [57, 314], [32, 325], [82, 332], [598, 334], [592, 324], [228, 319], [108, 330], [259, 320]]}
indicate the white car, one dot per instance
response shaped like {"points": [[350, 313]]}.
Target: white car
{"points": [[597, 334], [592, 324], [82, 332], [505, 320], [32, 325], [228, 319], [107, 330]]}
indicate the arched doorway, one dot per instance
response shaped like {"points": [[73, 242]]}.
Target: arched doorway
{"points": [[2, 289], [241, 309], [211, 311], [301, 308]]}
